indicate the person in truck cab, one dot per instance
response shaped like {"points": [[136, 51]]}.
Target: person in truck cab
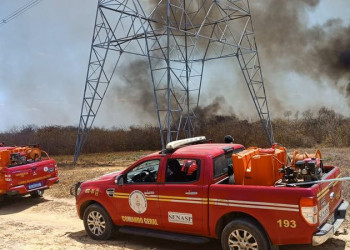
{"points": [[189, 169], [185, 172], [174, 173]]}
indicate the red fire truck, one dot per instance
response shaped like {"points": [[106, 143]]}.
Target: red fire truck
{"points": [[192, 191], [26, 170]]}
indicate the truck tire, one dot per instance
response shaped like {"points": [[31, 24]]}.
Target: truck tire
{"points": [[97, 222], [243, 234], [37, 194]]}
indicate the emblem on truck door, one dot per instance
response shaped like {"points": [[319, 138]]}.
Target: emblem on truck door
{"points": [[138, 201]]}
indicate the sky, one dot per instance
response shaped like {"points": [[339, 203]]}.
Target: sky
{"points": [[44, 56]]}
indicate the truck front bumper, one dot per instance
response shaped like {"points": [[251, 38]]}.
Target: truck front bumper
{"points": [[328, 230]]}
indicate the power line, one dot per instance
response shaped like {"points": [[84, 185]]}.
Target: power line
{"points": [[19, 11]]}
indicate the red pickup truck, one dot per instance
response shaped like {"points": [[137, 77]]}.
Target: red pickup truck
{"points": [[26, 170], [249, 198]]}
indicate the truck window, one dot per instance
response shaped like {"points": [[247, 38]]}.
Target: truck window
{"points": [[222, 162], [182, 170], [146, 172]]}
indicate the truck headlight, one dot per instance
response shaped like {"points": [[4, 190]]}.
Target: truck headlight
{"points": [[75, 189], [78, 191]]}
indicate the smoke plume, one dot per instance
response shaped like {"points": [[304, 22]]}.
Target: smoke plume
{"points": [[286, 43], [137, 88], [286, 40]]}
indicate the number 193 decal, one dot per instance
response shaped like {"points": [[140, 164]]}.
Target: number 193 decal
{"points": [[287, 223]]}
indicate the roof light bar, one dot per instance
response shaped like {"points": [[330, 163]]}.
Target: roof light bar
{"points": [[176, 144]]}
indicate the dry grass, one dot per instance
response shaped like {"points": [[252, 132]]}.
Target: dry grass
{"points": [[90, 166]]}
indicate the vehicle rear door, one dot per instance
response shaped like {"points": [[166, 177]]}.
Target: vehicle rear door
{"points": [[136, 200], [182, 197]]}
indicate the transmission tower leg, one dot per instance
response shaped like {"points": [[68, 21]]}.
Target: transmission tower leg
{"points": [[250, 66], [120, 28], [98, 77]]}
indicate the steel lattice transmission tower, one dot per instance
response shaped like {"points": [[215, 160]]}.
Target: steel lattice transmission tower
{"points": [[177, 37]]}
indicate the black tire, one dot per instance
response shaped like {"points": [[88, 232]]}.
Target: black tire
{"points": [[37, 194], [97, 222], [244, 234]]}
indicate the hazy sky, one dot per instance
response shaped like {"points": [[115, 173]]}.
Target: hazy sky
{"points": [[44, 55]]}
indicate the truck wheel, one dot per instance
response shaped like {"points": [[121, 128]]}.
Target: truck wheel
{"points": [[97, 222], [243, 234], [37, 194]]}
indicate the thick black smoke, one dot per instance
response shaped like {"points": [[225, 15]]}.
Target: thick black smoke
{"points": [[286, 40], [344, 59], [137, 88]]}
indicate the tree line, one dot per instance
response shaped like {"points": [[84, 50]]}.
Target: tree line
{"points": [[308, 129]]}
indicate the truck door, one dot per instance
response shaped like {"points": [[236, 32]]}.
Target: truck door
{"points": [[137, 199], [181, 197]]}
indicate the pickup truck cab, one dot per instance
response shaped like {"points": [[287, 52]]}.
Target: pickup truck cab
{"points": [[26, 170], [196, 192]]}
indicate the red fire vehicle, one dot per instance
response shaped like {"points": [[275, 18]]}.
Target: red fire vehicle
{"points": [[26, 170], [249, 198]]}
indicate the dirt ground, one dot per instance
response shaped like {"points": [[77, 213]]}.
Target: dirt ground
{"points": [[51, 222]]}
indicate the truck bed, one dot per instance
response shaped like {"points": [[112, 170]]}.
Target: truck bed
{"points": [[27, 178], [276, 206]]}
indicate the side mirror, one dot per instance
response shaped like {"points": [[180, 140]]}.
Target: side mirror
{"points": [[119, 180]]}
